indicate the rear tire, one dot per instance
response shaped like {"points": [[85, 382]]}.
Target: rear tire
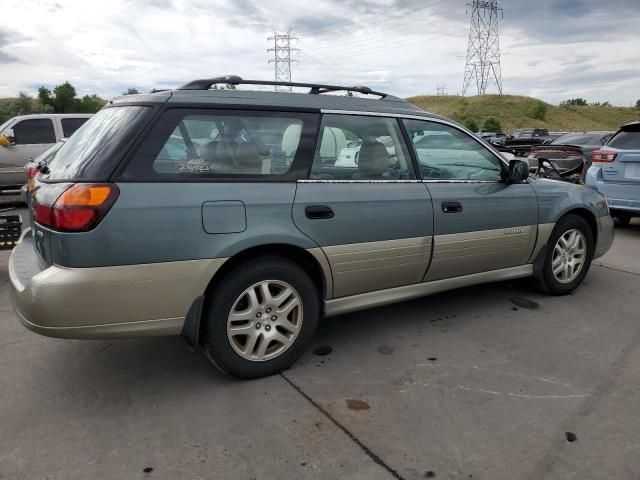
{"points": [[568, 257], [261, 317]]}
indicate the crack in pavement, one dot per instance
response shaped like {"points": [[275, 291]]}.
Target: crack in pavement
{"points": [[616, 269], [344, 429]]}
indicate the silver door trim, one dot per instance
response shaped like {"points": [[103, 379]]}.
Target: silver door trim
{"points": [[357, 181], [461, 181], [383, 297]]}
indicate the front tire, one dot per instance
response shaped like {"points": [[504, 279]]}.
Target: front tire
{"points": [[261, 317], [569, 253]]}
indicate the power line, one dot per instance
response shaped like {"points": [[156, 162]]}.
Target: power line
{"points": [[282, 58], [483, 51]]}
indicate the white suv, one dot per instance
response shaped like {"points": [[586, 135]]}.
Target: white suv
{"points": [[28, 136]]}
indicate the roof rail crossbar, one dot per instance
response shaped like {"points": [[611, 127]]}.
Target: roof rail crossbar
{"points": [[314, 89]]}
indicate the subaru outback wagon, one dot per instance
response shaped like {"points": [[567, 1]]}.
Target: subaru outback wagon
{"points": [[222, 216]]}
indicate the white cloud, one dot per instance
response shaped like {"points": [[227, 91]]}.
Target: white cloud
{"points": [[405, 47]]}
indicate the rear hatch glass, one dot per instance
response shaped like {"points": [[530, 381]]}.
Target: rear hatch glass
{"points": [[94, 150], [626, 165]]}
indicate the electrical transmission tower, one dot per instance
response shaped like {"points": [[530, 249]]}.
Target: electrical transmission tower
{"points": [[282, 58], [441, 91], [483, 51]]}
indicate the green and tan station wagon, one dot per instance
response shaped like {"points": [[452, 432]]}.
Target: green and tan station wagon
{"points": [[222, 216]]}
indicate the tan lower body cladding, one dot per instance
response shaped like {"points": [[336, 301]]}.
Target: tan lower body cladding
{"points": [[466, 253], [365, 267]]}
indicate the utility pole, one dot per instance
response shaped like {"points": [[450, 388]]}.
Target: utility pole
{"points": [[441, 91], [483, 51], [282, 58]]}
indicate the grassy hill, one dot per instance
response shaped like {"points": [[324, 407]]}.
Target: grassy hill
{"points": [[515, 112]]}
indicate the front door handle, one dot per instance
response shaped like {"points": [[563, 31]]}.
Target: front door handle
{"points": [[451, 207], [315, 212]]}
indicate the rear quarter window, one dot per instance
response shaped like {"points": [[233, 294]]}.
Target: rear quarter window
{"points": [[97, 146], [70, 125], [205, 144]]}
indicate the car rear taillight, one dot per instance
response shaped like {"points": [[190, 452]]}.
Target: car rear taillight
{"points": [[79, 208], [603, 156], [557, 152], [31, 170]]}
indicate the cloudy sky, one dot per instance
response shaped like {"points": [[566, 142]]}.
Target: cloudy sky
{"points": [[551, 49]]}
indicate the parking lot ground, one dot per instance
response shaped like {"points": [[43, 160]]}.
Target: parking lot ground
{"points": [[491, 382]]}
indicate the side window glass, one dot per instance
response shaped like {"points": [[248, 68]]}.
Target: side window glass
{"points": [[70, 125], [34, 131], [446, 153], [220, 144], [354, 147]]}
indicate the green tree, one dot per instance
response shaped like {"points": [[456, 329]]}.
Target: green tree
{"points": [[637, 103], [574, 102], [44, 97], [24, 104], [471, 124], [64, 98], [491, 124], [131, 91], [538, 110], [91, 103]]}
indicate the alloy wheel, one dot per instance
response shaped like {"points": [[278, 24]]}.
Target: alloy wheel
{"points": [[569, 255], [264, 320]]}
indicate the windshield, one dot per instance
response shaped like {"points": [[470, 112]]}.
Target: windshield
{"points": [[5, 125], [90, 153]]}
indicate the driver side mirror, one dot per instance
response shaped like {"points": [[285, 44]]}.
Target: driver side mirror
{"points": [[518, 171], [7, 138]]}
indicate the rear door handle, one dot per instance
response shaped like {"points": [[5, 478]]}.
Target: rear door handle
{"points": [[315, 212], [451, 207]]}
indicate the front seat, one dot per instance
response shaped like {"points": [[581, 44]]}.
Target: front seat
{"points": [[248, 158], [373, 161]]}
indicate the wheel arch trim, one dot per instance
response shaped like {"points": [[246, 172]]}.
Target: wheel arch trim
{"points": [[314, 261]]}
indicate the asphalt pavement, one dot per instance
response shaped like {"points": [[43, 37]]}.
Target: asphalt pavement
{"points": [[491, 382]]}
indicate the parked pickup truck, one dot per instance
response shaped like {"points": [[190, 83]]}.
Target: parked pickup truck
{"points": [[25, 137], [519, 142]]}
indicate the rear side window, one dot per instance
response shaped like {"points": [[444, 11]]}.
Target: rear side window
{"points": [[625, 140], [70, 125], [354, 147], [34, 131], [446, 153], [200, 144], [95, 148]]}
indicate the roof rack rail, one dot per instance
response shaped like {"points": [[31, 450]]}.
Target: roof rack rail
{"points": [[314, 88]]}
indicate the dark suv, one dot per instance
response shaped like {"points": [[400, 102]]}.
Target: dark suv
{"points": [[224, 216]]}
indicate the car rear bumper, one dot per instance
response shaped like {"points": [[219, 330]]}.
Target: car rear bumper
{"points": [[121, 301], [620, 196]]}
